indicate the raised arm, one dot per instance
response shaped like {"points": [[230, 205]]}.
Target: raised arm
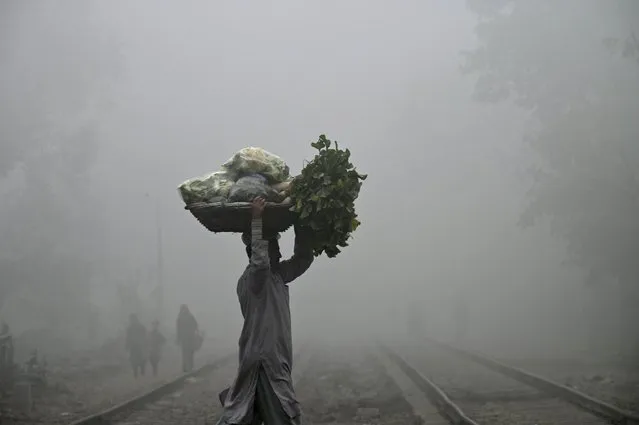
{"points": [[302, 257], [259, 247], [259, 264]]}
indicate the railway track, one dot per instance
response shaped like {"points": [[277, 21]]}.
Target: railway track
{"points": [[190, 398], [121, 410], [441, 383], [468, 388]]}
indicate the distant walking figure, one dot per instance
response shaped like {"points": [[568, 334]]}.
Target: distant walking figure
{"points": [[461, 318], [6, 348], [187, 337], [156, 341], [136, 345]]}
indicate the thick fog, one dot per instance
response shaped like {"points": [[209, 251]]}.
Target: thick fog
{"points": [[106, 107]]}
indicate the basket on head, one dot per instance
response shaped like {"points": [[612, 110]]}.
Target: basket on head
{"points": [[235, 217]]}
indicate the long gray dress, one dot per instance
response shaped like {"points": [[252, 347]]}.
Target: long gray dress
{"points": [[263, 389]]}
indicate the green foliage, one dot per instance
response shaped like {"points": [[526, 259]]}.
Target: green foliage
{"points": [[324, 197]]}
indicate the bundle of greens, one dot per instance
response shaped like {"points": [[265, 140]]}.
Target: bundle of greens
{"points": [[324, 197]]}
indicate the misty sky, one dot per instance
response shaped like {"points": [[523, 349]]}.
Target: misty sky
{"points": [[182, 86]]}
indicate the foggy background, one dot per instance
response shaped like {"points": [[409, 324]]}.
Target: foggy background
{"points": [[106, 107]]}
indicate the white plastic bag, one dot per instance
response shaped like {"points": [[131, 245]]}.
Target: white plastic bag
{"points": [[213, 187], [251, 160]]}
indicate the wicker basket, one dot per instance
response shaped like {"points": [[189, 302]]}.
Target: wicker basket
{"points": [[235, 217]]}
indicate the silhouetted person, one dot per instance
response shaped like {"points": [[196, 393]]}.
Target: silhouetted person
{"points": [[187, 337], [6, 347], [156, 342], [136, 345], [263, 388], [414, 318], [461, 319]]}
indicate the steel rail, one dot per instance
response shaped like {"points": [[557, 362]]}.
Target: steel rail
{"points": [[585, 402], [445, 406], [138, 402]]}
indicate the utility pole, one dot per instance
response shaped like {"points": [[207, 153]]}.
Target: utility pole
{"points": [[158, 292], [160, 264]]}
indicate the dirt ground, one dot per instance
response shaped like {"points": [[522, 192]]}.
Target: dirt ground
{"points": [[78, 389], [349, 386]]}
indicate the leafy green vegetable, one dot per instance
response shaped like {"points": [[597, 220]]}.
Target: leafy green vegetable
{"points": [[324, 197]]}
